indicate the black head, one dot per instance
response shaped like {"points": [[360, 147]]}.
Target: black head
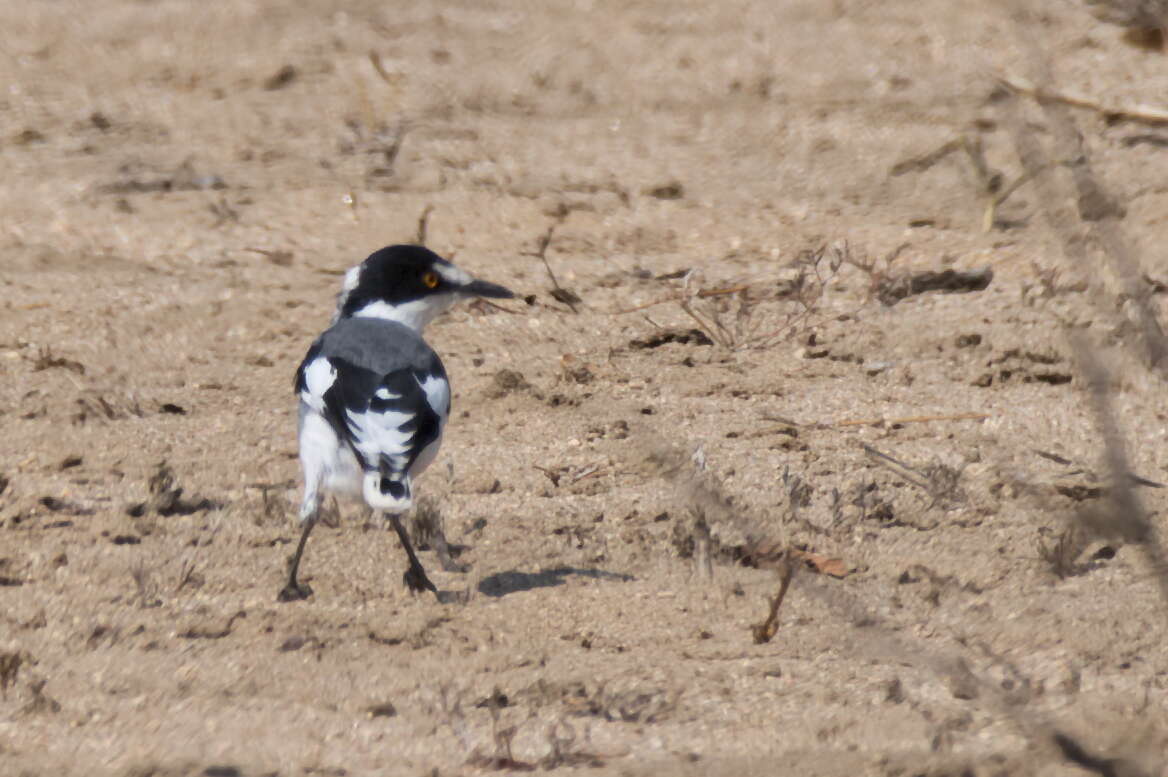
{"points": [[409, 282]]}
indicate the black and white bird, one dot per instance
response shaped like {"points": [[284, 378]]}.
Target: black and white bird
{"points": [[374, 397]]}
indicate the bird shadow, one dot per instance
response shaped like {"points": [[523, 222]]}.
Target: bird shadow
{"points": [[512, 581]]}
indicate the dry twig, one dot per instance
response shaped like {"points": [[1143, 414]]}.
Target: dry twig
{"points": [[765, 631], [423, 224], [1144, 114], [991, 185], [1130, 520], [559, 293], [734, 317], [916, 419], [938, 481]]}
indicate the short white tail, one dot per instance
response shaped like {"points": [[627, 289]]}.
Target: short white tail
{"points": [[398, 498]]}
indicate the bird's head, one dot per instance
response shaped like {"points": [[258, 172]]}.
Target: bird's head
{"points": [[408, 284]]}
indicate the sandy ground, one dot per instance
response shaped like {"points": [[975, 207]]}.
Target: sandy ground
{"points": [[183, 185]]}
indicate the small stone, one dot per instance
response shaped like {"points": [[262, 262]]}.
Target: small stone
{"points": [[383, 710]]}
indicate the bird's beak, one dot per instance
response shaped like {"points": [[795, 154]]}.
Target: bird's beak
{"points": [[477, 288]]}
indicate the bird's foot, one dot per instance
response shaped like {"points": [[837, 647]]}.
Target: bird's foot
{"points": [[416, 580], [294, 592]]}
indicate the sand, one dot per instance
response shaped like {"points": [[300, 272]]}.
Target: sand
{"points": [[736, 192]]}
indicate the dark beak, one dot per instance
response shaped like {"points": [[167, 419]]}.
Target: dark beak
{"points": [[477, 288]]}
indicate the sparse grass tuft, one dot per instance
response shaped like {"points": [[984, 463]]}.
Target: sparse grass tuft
{"points": [[757, 315], [428, 529], [1062, 553], [10, 663], [145, 584]]}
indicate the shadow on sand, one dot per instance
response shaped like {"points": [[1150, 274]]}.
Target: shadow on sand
{"points": [[503, 583]]}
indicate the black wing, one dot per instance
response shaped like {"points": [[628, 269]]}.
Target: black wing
{"points": [[386, 419]]}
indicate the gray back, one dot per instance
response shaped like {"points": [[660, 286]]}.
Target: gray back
{"points": [[379, 346]]}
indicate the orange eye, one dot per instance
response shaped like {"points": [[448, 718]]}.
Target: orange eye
{"points": [[430, 279]]}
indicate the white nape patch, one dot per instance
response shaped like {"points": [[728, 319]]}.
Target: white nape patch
{"points": [[415, 314], [437, 391], [352, 277], [319, 376], [384, 393]]}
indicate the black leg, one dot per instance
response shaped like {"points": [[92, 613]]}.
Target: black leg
{"points": [[415, 577], [294, 591]]}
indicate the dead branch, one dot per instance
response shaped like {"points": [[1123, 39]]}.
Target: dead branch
{"points": [[702, 293], [1144, 114], [559, 293], [765, 631], [899, 468], [1130, 520], [918, 419], [423, 223]]}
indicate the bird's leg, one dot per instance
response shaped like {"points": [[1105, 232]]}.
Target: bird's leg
{"points": [[294, 591], [415, 577]]}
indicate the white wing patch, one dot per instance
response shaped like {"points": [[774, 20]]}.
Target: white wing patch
{"points": [[437, 390], [327, 462], [377, 434], [319, 376]]}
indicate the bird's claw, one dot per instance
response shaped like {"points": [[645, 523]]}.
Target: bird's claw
{"points": [[294, 592], [416, 580]]}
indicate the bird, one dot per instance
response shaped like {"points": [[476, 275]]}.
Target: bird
{"points": [[373, 395]]}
